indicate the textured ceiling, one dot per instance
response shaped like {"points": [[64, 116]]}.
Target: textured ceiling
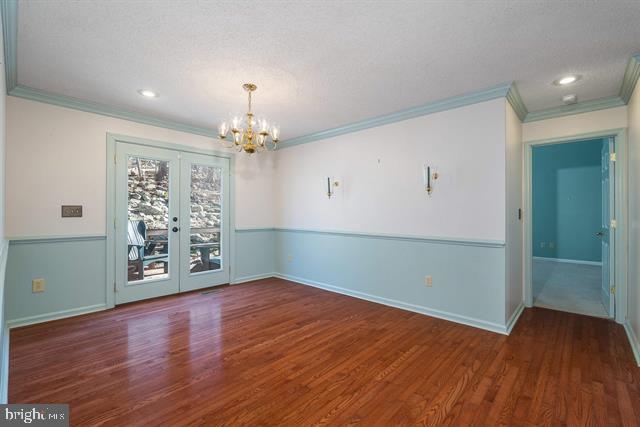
{"points": [[319, 64]]}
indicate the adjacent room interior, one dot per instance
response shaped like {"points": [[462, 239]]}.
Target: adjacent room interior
{"points": [[572, 195], [320, 212]]}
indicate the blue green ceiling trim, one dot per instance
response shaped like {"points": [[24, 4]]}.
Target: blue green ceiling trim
{"points": [[433, 107], [631, 75], [9, 11], [106, 110], [580, 107], [513, 96]]}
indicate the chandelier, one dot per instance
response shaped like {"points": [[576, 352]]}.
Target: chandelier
{"points": [[250, 135]]}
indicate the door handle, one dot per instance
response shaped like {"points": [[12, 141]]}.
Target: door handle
{"points": [[600, 233], [175, 229]]}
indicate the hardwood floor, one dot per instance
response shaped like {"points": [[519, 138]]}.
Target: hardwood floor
{"points": [[273, 352]]}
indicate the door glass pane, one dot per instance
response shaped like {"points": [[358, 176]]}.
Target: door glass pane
{"points": [[148, 219], [206, 184]]}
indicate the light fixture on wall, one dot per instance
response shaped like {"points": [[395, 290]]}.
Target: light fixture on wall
{"points": [[332, 184], [247, 138], [429, 174]]}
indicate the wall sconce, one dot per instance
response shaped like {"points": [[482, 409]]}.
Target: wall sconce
{"points": [[332, 183], [429, 174]]}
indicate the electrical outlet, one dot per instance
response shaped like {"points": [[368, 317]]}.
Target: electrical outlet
{"points": [[428, 281], [37, 285], [542, 244], [552, 245], [289, 258]]}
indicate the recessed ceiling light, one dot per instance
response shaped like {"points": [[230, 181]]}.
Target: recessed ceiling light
{"points": [[567, 80], [147, 93]]}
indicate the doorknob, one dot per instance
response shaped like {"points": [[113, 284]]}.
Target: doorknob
{"points": [[175, 229], [600, 233], [175, 219]]}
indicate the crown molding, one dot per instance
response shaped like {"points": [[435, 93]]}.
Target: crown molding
{"points": [[580, 107], [513, 96], [9, 11], [106, 110], [410, 113], [631, 75]]}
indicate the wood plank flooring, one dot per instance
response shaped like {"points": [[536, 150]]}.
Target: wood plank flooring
{"points": [[276, 353]]}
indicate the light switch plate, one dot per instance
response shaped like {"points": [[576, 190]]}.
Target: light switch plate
{"points": [[71, 211]]}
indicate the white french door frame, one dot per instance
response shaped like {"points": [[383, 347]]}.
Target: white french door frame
{"points": [[620, 214], [112, 141]]}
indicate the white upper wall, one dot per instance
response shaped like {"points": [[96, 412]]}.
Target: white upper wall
{"points": [[559, 127], [381, 184], [57, 156]]}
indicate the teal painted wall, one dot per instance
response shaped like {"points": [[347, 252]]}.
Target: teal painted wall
{"points": [[383, 269], [75, 269], [567, 200], [468, 281], [74, 273], [255, 254]]}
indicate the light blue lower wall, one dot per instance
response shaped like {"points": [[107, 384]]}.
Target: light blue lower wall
{"points": [[74, 272], [468, 277], [255, 254], [74, 269], [4, 330]]}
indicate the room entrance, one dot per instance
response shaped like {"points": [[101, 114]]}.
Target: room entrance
{"points": [[573, 207], [171, 221]]}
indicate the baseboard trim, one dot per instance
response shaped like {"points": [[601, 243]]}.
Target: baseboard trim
{"points": [[245, 279], [568, 261], [514, 317], [633, 341], [56, 315], [468, 321], [4, 368]]}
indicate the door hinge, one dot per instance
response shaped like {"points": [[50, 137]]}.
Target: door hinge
{"points": [[614, 223], [613, 290], [115, 159], [114, 223], [115, 288], [613, 157]]}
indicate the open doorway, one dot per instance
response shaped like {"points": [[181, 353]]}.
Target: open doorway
{"points": [[572, 201]]}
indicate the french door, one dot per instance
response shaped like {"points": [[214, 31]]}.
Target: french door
{"points": [[171, 221]]}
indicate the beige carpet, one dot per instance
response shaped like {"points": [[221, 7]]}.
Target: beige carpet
{"points": [[568, 287]]}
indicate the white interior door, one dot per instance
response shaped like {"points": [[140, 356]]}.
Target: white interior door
{"points": [[607, 234]]}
